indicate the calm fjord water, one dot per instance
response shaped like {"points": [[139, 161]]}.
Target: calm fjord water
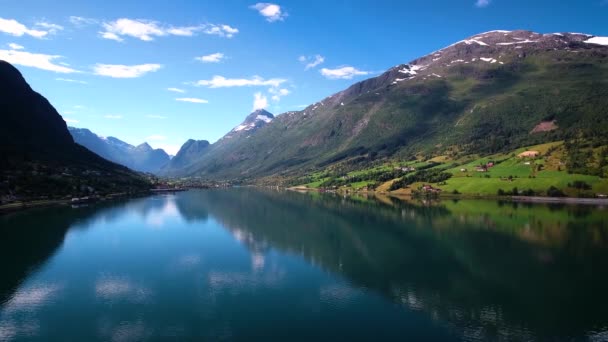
{"points": [[250, 264]]}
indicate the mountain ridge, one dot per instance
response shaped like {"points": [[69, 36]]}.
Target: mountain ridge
{"points": [[453, 100], [39, 158], [141, 158]]}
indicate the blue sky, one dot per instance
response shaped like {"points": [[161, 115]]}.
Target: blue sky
{"points": [[108, 66]]}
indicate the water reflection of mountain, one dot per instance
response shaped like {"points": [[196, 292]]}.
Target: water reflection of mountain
{"points": [[490, 271], [29, 238]]}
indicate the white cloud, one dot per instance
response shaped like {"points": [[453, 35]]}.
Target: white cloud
{"points": [[14, 46], [345, 73], [223, 82], [212, 58], [113, 117], [70, 80], [187, 31], [140, 29], [34, 60], [147, 30], [68, 120], [221, 30], [124, 71], [156, 137], [278, 93], [82, 21], [15, 28], [482, 3], [312, 61], [111, 36], [48, 27], [272, 12], [156, 117], [259, 101], [176, 90], [191, 99]]}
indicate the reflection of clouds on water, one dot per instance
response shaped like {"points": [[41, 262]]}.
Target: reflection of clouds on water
{"points": [[32, 298], [121, 288], [597, 336], [157, 216], [237, 282], [124, 331], [257, 261], [189, 260], [19, 311], [10, 329]]}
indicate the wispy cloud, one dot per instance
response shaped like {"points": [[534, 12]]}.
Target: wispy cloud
{"points": [[482, 3], [48, 27], [82, 21], [156, 117], [191, 99], [113, 117], [345, 73], [17, 29], [176, 90], [70, 80], [15, 46], [221, 30], [277, 93], [147, 30], [124, 71], [223, 82], [35, 60], [259, 101], [272, 12], [212, 58], [312, 61]]}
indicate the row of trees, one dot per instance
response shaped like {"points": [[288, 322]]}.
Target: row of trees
{"points": [[427, 176]]}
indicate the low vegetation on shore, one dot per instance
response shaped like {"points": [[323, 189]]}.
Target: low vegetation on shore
{"points": [[574, 168]]}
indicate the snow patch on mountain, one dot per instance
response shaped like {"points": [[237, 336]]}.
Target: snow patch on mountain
{"points": [[597, 40]]}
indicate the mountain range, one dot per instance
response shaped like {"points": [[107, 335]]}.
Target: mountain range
{"points": [[139, 158], [491, 92], [38, 155]]}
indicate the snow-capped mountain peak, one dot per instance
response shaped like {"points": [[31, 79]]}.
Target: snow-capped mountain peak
{"points": [[254, 121]]}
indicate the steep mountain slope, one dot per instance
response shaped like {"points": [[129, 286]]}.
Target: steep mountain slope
{"points": [[189, 158], [140, 158], [189, 153], [485, 94], [37, 153]]}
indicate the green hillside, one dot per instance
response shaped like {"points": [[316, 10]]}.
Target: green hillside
{"points": [[466, 99]]}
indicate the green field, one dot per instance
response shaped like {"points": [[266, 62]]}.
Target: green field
{"points": [[510, 171]]}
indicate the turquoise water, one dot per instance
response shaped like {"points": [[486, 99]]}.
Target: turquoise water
{"points": [[244, 264]]}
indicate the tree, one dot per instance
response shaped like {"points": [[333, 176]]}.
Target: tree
{"points": [[555, 192]]}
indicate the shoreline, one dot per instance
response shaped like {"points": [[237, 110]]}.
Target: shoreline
{"points": [[520, 199], [18, 206], [564, 200]]}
